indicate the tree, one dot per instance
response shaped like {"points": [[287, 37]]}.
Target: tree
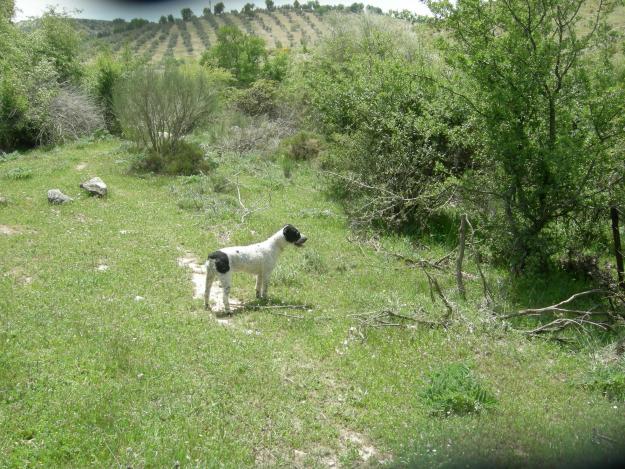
{"points": [[187, 14], [296, 5], [248, 9], [239, 53], [219, 8], [162, 20], [206, 12], [270, 5], [549, 103], [7, 10], [356, 7], [170, 18]]}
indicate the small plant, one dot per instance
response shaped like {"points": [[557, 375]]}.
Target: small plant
{"points": [[16, 174], [183, 159], [287, 166], [609, 380], [454, 389], [302, 146], [258, 99]]}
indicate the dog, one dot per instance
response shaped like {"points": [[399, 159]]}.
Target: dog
{"points": [[257, 259]]}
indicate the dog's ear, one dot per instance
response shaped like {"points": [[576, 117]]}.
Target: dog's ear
{"points": [[291, 234]]}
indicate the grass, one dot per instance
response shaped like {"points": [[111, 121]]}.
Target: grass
{"points": [[92, 376]]}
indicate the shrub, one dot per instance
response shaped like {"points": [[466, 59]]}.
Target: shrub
{"points": [[276, 65], [71, 114], [184, 159], [258, 99], [237, 52], [302, 146], [156, 109], [455, 390]]}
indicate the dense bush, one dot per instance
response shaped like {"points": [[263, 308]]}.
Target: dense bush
{"points": [[157, 108], [237, 52], [183, 159], [258, 99], [33, 65], [302, 146], [397, 143], [550, 103]]}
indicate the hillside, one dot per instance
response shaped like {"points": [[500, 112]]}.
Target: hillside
{"points": [[106, 357], [281, 28]]}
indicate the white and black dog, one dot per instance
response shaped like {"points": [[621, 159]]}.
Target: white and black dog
{"points": [[257, 259]]}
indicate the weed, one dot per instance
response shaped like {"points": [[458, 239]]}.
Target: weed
{"points": [[609, 380], [18, 173], [454, 389]]}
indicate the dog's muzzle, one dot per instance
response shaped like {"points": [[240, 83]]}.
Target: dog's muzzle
{"points": [[300, 242]]}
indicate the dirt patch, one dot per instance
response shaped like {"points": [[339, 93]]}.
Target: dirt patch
{"points": [[81, 166], [199, 283], [9, 230]]}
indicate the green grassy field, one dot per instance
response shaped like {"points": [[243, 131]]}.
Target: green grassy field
{"points": [[92, 375]]}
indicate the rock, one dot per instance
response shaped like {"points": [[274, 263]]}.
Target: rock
{"points": [[55, 196], [3, 201], [95, 186]]}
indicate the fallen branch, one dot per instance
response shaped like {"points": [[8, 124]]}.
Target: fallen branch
{"points": [[562, 323], [554, 308], [434, 286], [387, 318]]}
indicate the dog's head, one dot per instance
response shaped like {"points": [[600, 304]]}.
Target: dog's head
{"points": [[292, 235]]}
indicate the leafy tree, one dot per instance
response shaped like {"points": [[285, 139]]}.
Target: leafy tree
{"points": [[170, 18], [7, 10], [219, 8], [356, 7], [248, 9], [239, 53], [206, 12], [162, 20], [187, 14], [551, 107], [270, 5], [296, 5]]}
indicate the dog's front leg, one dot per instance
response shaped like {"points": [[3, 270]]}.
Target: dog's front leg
{"points": [[210, 277], [259, 285]]}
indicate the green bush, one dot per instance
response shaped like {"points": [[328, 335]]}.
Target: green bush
{"points": [[258, 99], [157, 108], [302, 146], [17, 174], [454, 389], [239, 53], [184, 159]]}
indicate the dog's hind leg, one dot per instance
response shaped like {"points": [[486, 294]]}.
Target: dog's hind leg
{"points": [[210, 278]]}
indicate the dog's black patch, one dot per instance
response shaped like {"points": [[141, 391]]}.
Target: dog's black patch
{"points": [[222, 263], [291, 234]]}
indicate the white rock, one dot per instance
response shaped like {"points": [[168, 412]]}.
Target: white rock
{"points": [[95, 186], [55, 196]]}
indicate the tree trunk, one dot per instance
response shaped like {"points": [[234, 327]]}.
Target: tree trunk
{"points": [[462, 234], [618, 253]]}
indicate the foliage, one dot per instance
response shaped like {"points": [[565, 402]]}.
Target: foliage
{"points": [[71, 114], [454, 390], [248, 9], [187, 14], [156, 109], [258, 99], [162, 20], [396, 142], [302, 146], [550, 104], [18, 173], [270, 5], [237, 52], [219, 8], [170, 18], [183, 159], [33, 65], [276, 66]]}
